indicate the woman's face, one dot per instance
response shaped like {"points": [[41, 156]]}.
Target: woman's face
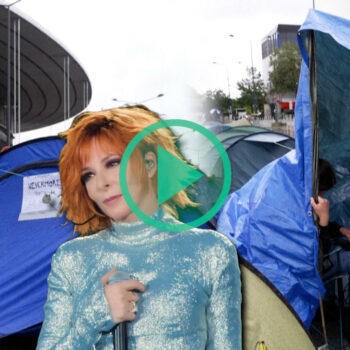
{"points": [[100, 174]]}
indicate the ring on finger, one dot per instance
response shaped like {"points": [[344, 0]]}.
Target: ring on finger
{"points": [[134, 309]]}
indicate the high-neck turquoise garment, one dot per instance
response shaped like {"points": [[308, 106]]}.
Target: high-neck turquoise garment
{"points": [[192, 299]]}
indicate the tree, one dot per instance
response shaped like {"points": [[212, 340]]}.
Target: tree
{"points": [[285, 63], [252, 91], [217, 99]]}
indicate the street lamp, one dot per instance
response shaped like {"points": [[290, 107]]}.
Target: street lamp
{"points": [[228, 77], [228, 88], [152, 98], [254, 92], [254, 96], [8, 4], [139, 102], [231, 36], [122, 101]]}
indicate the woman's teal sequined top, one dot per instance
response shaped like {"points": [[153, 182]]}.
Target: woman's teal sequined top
{"points": [[192, 299]]}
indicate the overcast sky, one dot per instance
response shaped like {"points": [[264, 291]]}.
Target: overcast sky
{"points": [[133, 50]]}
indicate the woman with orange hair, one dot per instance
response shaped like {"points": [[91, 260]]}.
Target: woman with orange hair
{"points": [[184, 292]]}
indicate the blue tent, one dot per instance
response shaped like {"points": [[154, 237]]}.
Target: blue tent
{"points": [[29, 235], [270, 218]]}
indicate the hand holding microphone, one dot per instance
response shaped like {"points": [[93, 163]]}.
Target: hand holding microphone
{"points": [[121, 294]]}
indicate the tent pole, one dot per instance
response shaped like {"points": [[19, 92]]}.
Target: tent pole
{"points": [[314, 115], [323, 319], [315, 148], [9, 141]]}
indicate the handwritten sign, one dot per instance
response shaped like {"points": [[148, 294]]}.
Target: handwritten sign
{"points": [[41, 197]]}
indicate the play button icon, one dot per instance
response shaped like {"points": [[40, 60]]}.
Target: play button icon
{"points": [[174, 175], [182, 175]]}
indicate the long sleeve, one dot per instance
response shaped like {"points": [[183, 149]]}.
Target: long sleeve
{"points": [[224, 308], [71, 323], [332, 230]]}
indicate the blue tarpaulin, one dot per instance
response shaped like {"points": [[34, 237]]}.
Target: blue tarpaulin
{"points": [[270, 218], [26, 246]]}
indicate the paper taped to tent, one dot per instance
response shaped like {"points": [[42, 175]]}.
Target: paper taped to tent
{"points": [[270, 218]]}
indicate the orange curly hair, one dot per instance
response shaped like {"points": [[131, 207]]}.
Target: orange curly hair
{"points": [[113, 130]]}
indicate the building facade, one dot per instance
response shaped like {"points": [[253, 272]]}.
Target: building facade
{"points": [[281, 34]]}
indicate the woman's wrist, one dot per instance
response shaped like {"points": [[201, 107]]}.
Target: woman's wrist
{"points": [[324, 221]]}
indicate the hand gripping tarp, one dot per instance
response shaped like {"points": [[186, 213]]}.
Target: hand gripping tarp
{"points": [[270, 218], [26, 246]]}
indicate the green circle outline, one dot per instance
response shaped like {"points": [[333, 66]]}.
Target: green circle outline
{"points": [[165, 124]]}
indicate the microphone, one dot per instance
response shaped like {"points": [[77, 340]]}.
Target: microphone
{"points": [[120, 332]]}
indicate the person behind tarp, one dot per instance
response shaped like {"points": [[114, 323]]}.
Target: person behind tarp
{"points": [[330, 230], [185, 285]]}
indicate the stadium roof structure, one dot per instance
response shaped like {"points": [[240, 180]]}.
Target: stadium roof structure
{"points": [[47, 83]]}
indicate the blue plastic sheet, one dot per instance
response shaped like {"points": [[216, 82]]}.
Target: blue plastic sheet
{"points": [[26, 247], [270, 219]]}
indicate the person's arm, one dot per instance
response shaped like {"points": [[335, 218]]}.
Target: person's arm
{"points": [[345, 232], [321, 209], [224, 308], [72, 324], [332, 230], [328, 229]]}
